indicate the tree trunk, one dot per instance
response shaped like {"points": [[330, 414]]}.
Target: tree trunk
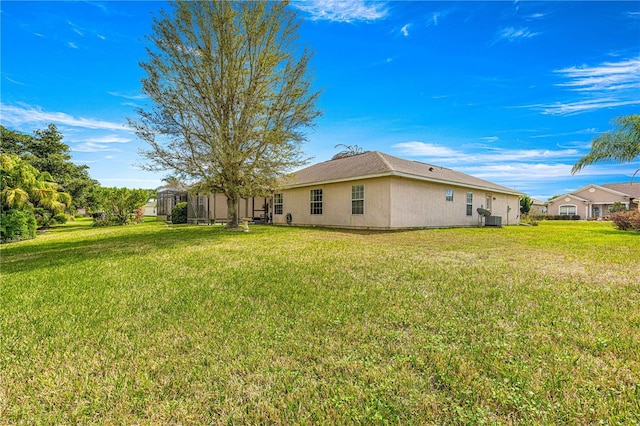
{"points": [[232, 209]]}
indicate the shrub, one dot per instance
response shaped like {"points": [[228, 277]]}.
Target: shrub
{"points": [[179, 213], [60, 219], [554, 217], [626, 221], [139, 216], [43, 217], [16, 225]]}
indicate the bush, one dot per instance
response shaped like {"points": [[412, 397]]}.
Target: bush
{"points": [[16, 225], [43, 217], [60, 219], [627, 221], [179, 213], [554, 217], [139, 216]]}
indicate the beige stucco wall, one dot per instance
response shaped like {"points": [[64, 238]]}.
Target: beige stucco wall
{"points": [[336, 205], [394, 203], [421, 204], [600, 196], [582, 207], [601, 199]]}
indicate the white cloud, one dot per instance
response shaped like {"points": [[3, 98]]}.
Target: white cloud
{"points": [[422, 149], [608, 76], [490, 139], [92, 147], [19, 115], [135, 97], [72, 45], [486, 156], [607, 85], [578, 107], [434, 19], [108, 139], [405, 30], [14, 81], [512, 34], [343, 10]]}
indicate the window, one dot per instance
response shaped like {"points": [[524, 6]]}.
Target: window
{"points": [[316, 201], [568, 210], [448, 194], [277, 203], [469, 203], [357, 199], [488, 206]]}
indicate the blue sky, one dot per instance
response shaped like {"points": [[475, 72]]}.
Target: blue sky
{"points": [[512, 92]]}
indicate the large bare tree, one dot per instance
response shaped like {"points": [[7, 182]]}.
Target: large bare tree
{"points": [[231, 96]]}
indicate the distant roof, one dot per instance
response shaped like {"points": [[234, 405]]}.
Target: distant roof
{"points": [[377, 164], [629, 188]]}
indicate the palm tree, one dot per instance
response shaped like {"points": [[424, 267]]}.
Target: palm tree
{"points": [[23, 185], [621, 145]]}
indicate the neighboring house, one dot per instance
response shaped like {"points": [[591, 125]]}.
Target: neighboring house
{"points": [[595, 201], [632, 189], [374, 190], [149, 209], [538, 207]]}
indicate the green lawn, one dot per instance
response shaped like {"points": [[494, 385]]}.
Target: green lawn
{"points": [[159, 324]]}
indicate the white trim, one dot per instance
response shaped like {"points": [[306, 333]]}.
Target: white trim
{"points": [[568, 205], [602, 188], [358, 199]]}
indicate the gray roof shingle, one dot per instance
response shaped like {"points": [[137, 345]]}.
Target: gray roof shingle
{"points": [[630, 188], [373, 163]]}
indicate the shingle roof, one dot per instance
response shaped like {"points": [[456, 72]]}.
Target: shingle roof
{"points": [[630, 188], [373, 164]]}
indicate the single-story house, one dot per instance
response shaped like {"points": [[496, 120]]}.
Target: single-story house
{"points": [[596, 201], [373, 190], [149, 209], [538, 207]]}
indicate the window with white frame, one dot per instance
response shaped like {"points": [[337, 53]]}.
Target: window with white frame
{"points": [[469, 203], [277, 203], [568, 210], [357, 199], [448, 194], [316, 201]]}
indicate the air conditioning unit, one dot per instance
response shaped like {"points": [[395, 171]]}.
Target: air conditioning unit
{"points": [[493, 221]]}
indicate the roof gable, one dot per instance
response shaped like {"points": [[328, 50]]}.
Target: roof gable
{"points": [[377, 164], [592, 188], [563, 198]]}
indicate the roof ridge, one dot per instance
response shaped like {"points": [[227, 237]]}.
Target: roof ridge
{"points": [[381, 155]]}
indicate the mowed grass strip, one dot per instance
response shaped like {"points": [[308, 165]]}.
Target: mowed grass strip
{"points": [[160, 324]]}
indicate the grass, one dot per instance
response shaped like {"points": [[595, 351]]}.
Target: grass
{"points": [[158, 324]]}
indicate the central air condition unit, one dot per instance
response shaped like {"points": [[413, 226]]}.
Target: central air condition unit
{"points": [[493, 221]]}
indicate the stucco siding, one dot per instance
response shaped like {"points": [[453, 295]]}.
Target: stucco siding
{"points": [[416, 204], [336, 205], [394, 203], [601, 196]]}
